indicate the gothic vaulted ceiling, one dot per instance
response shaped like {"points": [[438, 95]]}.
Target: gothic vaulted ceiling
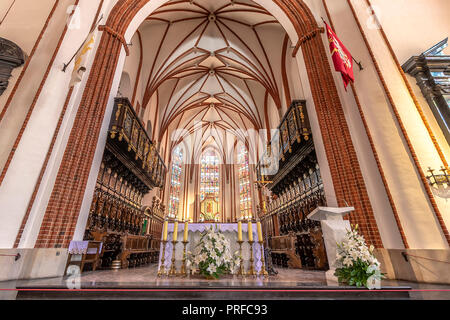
{"points": [[217, 65]]}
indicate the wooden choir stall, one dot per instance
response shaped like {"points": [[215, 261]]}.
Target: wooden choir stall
{"points": [[297, 189], [131, 167]]}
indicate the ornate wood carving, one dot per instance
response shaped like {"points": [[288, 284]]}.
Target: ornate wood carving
{"points": [[11, 56], [432, 72], [297, 188], [130, 144], [128, 171]]}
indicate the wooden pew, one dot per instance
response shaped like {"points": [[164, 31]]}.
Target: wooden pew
{"points": [[286, 245], [136, 251]]}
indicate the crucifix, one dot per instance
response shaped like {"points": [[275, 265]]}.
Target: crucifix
{"points": [[262, 184]]}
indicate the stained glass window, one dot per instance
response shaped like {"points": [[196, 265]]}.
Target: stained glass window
{"points": [[209, 175], [175, 181], [244, 183]]}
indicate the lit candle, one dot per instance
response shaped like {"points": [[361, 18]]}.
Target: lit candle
{"points": [[260, 235], [186, 231], [175, 231], [239, 230], [250, 230], [166, 225]]}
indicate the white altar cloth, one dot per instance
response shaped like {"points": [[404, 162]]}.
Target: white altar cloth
{"points": [[195, 231]]}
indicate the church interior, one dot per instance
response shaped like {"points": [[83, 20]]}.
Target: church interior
{"points": [[214, 144]]}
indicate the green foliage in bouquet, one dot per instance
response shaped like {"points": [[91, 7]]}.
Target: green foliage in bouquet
{"points": [[209, 216], [212, 255], [356, 263]]}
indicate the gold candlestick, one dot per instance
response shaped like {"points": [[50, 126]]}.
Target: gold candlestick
{"points": [[162, 268], [241, 266], [183, 266], [251, 272], [263, 271], [173, 270]]}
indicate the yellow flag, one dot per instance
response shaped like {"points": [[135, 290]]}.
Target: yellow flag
{"points": [[80, 60]]}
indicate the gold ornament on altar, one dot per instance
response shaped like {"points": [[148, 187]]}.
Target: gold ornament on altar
{"points": [[209, 209]]}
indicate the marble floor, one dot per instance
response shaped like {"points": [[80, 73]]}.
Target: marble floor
{"points": [[146, 277]]}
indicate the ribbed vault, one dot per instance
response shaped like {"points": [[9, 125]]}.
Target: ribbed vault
{"points": [[218, 66]]}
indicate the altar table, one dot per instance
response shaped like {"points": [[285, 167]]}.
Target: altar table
{"points": [[230, 230]]}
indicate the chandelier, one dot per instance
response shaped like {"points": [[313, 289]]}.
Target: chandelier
{"points": [[440, 182]]}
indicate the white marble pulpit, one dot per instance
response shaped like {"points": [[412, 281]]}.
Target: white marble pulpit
{"points": [[334, 229]]}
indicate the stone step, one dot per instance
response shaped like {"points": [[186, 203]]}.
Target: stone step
{"points": [[213, 293]]}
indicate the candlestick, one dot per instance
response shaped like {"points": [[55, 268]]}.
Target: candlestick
{"points": [[162, 268], [251, 272], [183, 266], [240, 230], [186, 231], [165, 229], [241, 266], [173, 270], [175, 231], [263, 271], [260, 235], [250, 231]]}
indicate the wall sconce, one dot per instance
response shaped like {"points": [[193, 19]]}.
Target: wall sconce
{"points": [[440, 183]]}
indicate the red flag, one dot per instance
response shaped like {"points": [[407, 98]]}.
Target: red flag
{"points": [[342, 59]]}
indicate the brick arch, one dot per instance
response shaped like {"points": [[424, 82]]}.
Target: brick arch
{"points": [[65, 203]]}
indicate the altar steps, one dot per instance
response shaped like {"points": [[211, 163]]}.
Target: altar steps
{"points": [[214, 293]]}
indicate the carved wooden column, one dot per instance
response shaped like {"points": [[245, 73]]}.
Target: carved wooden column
{"points": [[432, 72], [11, 57]]}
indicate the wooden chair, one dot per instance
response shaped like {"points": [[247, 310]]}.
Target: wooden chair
{"points": [[90, 257]]}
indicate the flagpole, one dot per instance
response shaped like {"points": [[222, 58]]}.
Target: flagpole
{"points": [[359, 64], [73, 57]]}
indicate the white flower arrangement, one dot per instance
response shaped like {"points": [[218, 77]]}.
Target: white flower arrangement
{"points": [[356, 263], [212, 255]]}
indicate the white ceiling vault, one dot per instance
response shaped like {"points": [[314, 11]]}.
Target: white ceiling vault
{"points": [[219, 65]]}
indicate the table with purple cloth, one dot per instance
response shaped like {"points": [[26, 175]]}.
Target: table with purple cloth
{"points": [[81, 247]]}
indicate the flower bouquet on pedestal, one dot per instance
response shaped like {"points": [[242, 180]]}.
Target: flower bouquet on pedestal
{"points": [[212, 256], [356, 263]]}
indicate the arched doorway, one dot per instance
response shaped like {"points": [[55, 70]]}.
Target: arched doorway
{"points": [[70, 190]]}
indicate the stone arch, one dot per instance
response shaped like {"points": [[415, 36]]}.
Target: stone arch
{"points": [[70, 186]]}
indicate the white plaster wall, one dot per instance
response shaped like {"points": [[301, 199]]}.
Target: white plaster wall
{"points": [[21, 177], [409, 196], [423, 23], [17, 29], [413, 26], [295, 84], [132, 65], [419, 223]]}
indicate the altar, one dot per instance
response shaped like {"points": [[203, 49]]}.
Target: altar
{"points": [[230, 230]]}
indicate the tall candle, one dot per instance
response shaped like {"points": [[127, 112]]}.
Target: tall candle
{"points": [[166, 225], [239, 230], [260, 235], [250, 231], [186, 231], [175, 231]]}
